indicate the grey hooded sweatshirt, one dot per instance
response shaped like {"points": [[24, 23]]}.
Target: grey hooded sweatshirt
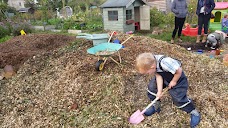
{"points": [[179, 8]]}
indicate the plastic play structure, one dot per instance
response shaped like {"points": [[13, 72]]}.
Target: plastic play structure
{"points": [[221, 8], [189, 31]]}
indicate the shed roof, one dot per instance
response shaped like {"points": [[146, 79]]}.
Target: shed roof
{"points": [[24, 9], [117, 3]]}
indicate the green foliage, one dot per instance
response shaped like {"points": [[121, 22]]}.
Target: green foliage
{"points": [[38, 15], [25, 16], [3, 8], [5, 39], [68, 24], [11, 10], [167, 34], [3, 31], [54, 21], [39, 19], [91, 20], [94, 23], [9, 27], [192, 17], [18, 27], [157, 18]]}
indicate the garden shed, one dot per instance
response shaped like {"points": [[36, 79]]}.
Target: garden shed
{"points": [[126, 15]]}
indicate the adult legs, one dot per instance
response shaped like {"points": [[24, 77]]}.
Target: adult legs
{"points": [[176, 22], [200, 24], [206, 20], [181, 24]]}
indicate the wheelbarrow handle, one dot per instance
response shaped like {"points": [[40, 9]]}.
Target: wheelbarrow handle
{"points": [[111, 36], [144, 110], [127, 39]]}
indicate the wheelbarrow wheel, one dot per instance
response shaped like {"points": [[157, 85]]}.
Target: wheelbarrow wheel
{"points": [[99, 65]]}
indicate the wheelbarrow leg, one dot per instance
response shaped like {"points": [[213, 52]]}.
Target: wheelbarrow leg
{"points": [[119, 57], [114, 61], [105, 59]]}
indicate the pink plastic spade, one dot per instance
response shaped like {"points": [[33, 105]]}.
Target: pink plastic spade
{"points": [[137, 116]]}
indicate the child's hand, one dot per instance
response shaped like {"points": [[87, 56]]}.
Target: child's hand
{"points": [[172, 84], [159, 95]]}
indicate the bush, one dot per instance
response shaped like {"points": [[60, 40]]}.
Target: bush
{"points": [[158, 18], [39, 15], [11, 10], [68, 24], [4, 31], [5, 39], [18, 27]]}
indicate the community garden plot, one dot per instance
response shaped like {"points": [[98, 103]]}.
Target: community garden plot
{"points": [[61, 88]]}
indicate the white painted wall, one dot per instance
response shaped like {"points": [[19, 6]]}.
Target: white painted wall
{"points": [[113, 25], [16, 4]]}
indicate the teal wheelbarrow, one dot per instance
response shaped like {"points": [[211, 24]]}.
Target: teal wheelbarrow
{"points": [[105, 51]]}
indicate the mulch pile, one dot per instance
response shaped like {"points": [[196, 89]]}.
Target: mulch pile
{"points": [[62, 89], [17, 50]]}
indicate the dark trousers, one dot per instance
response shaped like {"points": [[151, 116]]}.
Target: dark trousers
{"points": [[179, 22], [203, 21], [178, 93]]}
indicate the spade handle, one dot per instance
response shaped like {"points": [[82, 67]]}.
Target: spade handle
{"points": [[165, 90]]}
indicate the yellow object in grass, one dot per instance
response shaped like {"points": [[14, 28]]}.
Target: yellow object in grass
{"points": [[22, 32]]}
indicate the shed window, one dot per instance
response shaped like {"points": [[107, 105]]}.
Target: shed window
{"points": [[128, 14], [113, 15]]}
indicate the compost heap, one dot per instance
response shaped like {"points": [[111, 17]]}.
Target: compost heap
{"points": [[62, 89]]}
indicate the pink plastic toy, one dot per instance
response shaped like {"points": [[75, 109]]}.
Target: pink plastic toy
{"points": [[137, 116]]}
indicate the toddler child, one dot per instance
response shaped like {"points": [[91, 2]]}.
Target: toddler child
{"points": [[168, 73]]}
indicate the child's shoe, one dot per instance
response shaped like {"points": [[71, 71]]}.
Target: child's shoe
{"points": [[151, 110], [195, 118]]}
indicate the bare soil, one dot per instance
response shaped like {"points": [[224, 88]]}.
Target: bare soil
{"points": [[17, 50]]}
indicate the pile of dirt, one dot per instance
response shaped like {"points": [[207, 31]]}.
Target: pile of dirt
{"points": [[17, 50], [62, 89]]}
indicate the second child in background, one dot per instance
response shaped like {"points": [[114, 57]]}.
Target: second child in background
{"points": [[225, 24], [180, 10]]}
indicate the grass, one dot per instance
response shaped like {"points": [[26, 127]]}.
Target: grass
{"points": [[5, 38], [166, 36]]}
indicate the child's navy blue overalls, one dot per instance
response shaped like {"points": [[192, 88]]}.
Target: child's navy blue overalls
{"points": [[178, 92]]}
